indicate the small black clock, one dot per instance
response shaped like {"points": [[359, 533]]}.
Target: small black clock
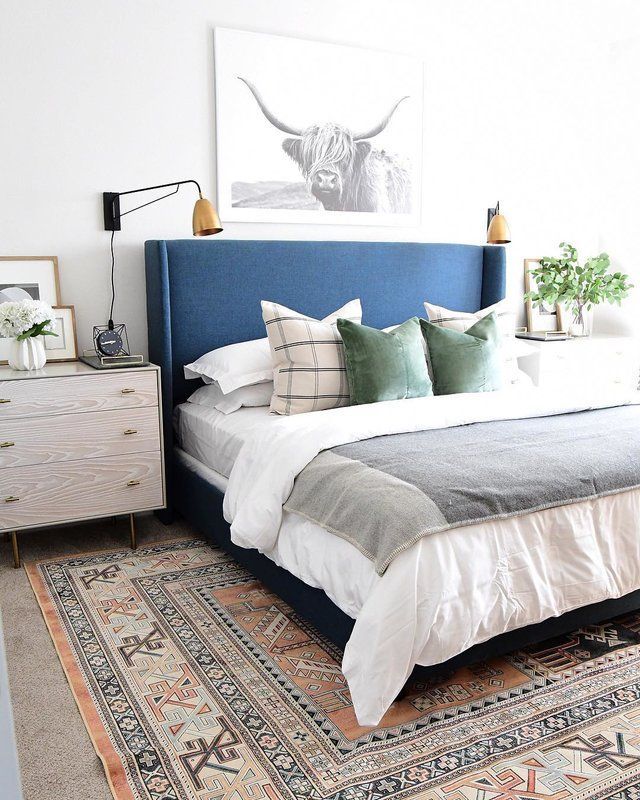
{"points": [[110, 340], [109, 343]]}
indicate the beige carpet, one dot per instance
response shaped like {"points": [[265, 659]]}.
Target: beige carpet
{"points": [[57, 758]]}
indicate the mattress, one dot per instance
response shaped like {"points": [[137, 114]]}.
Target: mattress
{"points": [[214, 438]]}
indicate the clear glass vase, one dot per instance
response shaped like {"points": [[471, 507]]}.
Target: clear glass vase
{"points": [[581, 320]]}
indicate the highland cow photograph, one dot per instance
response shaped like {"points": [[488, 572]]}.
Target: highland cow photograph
{"points": [[316, 133]]}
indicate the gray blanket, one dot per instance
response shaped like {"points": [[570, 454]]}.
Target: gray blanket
{"points": [[384, 494]]}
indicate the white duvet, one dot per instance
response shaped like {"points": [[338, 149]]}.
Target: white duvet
{"points": [[457, 588]]}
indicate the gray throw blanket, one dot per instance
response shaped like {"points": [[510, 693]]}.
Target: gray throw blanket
{"points": [[384, 494]]}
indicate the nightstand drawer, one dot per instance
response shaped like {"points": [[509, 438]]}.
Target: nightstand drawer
{"points": [[46, 396], [69, 437], [32, 496]]}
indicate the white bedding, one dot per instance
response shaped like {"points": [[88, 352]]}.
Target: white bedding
{"points": [[214, 438], [453, 589]]}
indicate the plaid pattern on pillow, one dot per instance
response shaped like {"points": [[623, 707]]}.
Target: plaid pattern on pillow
{"points": [[462, 320], [309, 371]]}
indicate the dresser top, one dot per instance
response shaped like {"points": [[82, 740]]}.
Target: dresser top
{"points": [[65, 369], [583, 341]]}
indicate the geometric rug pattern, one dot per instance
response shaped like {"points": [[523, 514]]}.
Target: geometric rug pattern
{"points": [[195, 683]]}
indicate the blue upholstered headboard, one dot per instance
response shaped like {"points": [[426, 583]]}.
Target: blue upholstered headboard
{"points": [[206, 294]]}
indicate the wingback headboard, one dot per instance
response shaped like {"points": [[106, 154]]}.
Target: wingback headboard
{"points": [[206, 294]]}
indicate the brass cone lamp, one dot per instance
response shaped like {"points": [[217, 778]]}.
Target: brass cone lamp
{"points": [[498, 231], [206, 221]]}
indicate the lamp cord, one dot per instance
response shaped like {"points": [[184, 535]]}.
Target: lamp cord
{"points": [[113, 284]]}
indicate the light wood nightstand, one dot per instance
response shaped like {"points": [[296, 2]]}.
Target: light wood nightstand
{"points": [[78, 443], [589, 361]]}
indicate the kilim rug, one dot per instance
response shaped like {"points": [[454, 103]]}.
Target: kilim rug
{"points": [[195, 682]]}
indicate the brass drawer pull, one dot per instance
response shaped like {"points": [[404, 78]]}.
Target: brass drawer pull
{"points": [[130, 431], [7, 444], [11, 499], [4, 400], [133, 483], [127, 391]]}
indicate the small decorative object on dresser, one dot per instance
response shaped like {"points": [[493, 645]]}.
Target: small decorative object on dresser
{"points": [[65, 346], [25, 323], [542, 316], [593, 361], [78, 444], [27, 278], [563, 282]]}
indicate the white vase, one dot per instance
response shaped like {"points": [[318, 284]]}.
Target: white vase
{"points": [[27, 354]]}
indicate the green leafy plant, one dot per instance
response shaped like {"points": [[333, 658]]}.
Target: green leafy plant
{"points": [[564, 280], [37, 330]]}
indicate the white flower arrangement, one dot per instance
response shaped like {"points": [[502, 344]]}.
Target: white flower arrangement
{"points": [[20, 320]]}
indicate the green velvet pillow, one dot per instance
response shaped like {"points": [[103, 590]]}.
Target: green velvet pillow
{"points": [[384, 366], [464, 362]]}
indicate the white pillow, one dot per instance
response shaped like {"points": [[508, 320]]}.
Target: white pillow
{"points": [[234, 366], [211, 395], [506, 319], [309, 372]]}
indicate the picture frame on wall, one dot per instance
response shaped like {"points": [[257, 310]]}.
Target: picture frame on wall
{"points": [[27, 278], [540, 318], [63, 346], [313, 132]]}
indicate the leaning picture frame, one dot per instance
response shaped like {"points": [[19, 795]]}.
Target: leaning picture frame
{"points": [[540, 317], [64, 345], [27, 278]]}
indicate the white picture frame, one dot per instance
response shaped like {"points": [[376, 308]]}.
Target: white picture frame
{"points": [[355, 89], [63, 346], [540, 318], [24, 277]]}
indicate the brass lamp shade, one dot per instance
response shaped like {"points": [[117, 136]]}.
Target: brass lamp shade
{"points": [[498, 231], [206, 221]]}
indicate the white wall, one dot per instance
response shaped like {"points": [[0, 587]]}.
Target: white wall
{"points": [[110, 95], [619, 202]]}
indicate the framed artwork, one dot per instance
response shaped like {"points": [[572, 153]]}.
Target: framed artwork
{"points": [[27, 278], [317, 133], [63, 346], [540, 317]]}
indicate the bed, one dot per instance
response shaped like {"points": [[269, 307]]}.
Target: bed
{"points": [[202, 295]]}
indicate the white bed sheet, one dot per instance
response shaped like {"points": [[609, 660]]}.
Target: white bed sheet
{"points": [[214, 438]]}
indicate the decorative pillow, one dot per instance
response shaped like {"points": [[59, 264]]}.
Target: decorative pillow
{"points": [[511, 348], [464, 362], [384, 365], [237, 365], [309, 372], [245, 397], [234, 366]]}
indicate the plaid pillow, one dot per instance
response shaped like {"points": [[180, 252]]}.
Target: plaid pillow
{"points": [[309, 372]]}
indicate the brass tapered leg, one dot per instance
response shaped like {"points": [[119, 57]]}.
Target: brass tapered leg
{"points": [[132, 531], [16, 550]]}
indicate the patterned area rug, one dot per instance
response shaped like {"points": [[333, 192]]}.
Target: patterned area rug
{"points": [[195, 682]]}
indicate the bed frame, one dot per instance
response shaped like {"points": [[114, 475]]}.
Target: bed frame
{"points": [[206, 294]]}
